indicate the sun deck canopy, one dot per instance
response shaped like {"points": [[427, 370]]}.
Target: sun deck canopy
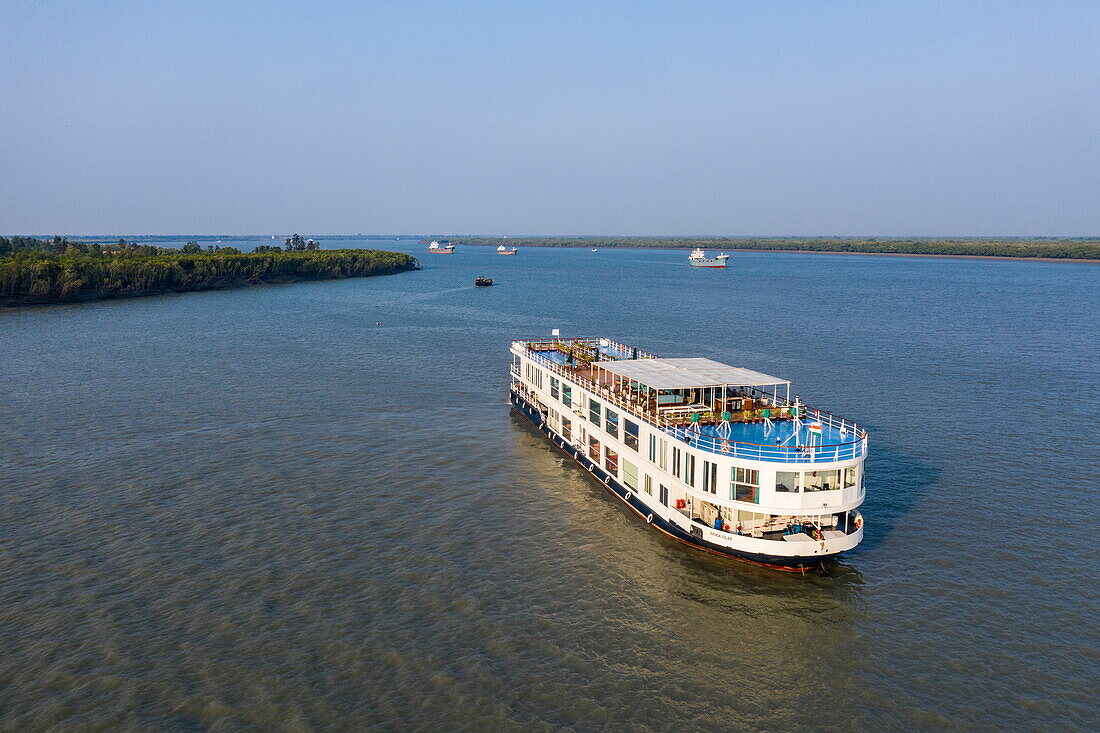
{"points": [[687, 373]]}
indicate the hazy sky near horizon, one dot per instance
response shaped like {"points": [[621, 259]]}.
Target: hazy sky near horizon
{"points": [[763, 118]]}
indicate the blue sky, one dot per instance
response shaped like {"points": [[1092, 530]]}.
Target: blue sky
{"points": [[766, 118]]}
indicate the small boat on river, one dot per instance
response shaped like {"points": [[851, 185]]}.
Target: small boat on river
{"points": [[483, 282], [698, 258]]}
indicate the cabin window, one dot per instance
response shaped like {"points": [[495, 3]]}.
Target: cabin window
{"points": [[652, 448], [554, 384], [611, 423], [593, 412], [566, 427], [851, 476], [611, 461], [647, 484], [630, 475], [567, 395], [689, 468], [675, 461], [664, 494], [662, 455], [786, 481], [745, 485], [710, 477], [630, 434], [594, 449], [821, 480]]}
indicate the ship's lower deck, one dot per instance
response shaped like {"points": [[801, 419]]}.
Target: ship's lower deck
{"points": [[693, 533]]}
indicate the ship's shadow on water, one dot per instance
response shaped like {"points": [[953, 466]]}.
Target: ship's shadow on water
{"points": [[895, 482]]}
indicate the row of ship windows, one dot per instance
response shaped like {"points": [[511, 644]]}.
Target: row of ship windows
{"points": [[744, 483]]}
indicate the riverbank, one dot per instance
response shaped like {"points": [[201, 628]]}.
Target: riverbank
{"points": [[1045, 248], [35, 277]]}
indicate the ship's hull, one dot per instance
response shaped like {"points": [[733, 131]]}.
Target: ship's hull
{"points": [[707, 263], [629, 497], [506, 253]]}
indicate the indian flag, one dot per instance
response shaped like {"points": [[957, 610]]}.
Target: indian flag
{"points": [[814, 428]]}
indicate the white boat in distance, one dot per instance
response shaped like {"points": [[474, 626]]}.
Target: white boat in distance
{"points": [[436, 248], [698, 258], [502, 250]]}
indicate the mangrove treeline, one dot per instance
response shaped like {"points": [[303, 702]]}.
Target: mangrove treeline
{"points": [[61, 271], [1056, 247]]}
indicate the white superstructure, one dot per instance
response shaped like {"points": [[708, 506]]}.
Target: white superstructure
{"points": [[716, 456]]}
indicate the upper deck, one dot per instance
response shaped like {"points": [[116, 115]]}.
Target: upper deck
{"points": [[727, 410]]}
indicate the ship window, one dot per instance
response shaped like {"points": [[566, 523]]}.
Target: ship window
{"points": [[821, 480], [647, 484], [611, 422], [675, 461], [689, 468], [630, 434], [554, 387], [745, 485], [611, 462], [566, 427], [593, 411], [851, 476], [594, 449], [653, 448], [630, 475], [567, 395], [786, 481], [710, 477], [662, 455], [664, 494]]}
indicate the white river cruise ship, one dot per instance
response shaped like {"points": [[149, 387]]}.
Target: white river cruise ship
{"points": [[716, 456]]}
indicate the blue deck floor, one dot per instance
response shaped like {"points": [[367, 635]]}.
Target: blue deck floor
{"points": [[762, 434]]}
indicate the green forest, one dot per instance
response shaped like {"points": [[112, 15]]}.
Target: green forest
{"points": [[1054, 247], [35, 271]]}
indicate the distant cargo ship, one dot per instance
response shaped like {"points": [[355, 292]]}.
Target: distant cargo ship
{"points": [[502, 250], [437, 248], [698, 258]]}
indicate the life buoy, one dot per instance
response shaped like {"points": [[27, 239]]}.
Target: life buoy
{"points": [[859, 522], [680, 503], [725, 446], [649, 519]]}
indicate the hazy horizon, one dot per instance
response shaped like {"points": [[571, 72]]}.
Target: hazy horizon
{"points": [[609, 118]]}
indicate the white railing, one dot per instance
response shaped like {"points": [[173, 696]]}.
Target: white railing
{"points": [[761, 452]]}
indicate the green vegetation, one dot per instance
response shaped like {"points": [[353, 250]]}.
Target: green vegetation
{"points": [[36, 271], [1054, 247]]}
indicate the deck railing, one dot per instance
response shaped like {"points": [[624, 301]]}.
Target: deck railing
{"points": [[854, 448]]}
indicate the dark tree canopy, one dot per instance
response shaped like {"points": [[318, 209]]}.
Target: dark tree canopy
{"points": [[36, 271]]}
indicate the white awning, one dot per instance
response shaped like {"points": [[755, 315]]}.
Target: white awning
{"points": [[687, 373]]}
